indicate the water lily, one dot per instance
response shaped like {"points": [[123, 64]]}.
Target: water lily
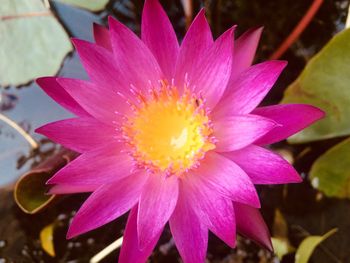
{"points": [[173, 133]]}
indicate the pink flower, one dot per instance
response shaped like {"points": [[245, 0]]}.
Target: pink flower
{"points": [[172, 133]]}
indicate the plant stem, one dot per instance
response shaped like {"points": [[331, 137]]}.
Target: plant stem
{"points": [[33, 14], [303, 23], [347, 23], [188, 10], [20, 130], [107, 250]]}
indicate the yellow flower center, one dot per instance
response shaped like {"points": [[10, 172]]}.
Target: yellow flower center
{"points": [[167, 132]]}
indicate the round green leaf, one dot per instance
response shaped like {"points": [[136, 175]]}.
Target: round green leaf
{"points": [[330, 173], [33, 43], [325, 83], [92, 5]]}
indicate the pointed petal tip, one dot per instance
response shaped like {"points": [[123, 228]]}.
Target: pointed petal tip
{"points": [[255, 30], [51, 181], [201, 11], [40, 80], [49, 192], [149, 2], [256, 201], [201, 15], [317, 112], [40, 130], [77, 42], [298, 179], [112, 21], [74, 229], [70, 234], [43, 82], [280, 63], [231, 242], [96, 25], [231, 30], [268, 245], [43, 129]]}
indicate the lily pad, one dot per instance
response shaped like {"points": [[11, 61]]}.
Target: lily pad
{"points": [[308, 245], [330, 173], [325, 83], [92, 5], [33, 43]]}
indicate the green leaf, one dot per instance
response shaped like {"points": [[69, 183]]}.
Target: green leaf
{"points": [[92, 5], [281, 247], [325, 83], [280, 242], [33, 43], [30, 190], [330, 173], [46, 239], [280, 228], [308, 245]]}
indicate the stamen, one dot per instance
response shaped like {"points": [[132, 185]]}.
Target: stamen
{"points": [[168, 132]]}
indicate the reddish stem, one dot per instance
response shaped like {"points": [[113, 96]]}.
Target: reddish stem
{"points": [[298, 29]]}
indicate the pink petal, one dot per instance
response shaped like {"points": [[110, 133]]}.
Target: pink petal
{"points": [[137, 63], [215, 210], [157, 203], [103, 165], [236, 132], [211, 75], [227, 178], [214, 71], [249, 88], [101, 66], [130, 253], [107, 203], [251, 225], [101, 35], [292, 117], [158, 34], [264, 166], [189, 232], [194, 46], [58, 94], [78, 134], [245, 48], [105, 105], [71, 189]]}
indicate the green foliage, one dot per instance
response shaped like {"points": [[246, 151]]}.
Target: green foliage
{"points": [[331, 172], [308, 246], [280, 242], [325, 83], [92, 5], [30, 191], [33, 43]]}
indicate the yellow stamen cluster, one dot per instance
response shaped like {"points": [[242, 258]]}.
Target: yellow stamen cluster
{"points": [[168, 132]]}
